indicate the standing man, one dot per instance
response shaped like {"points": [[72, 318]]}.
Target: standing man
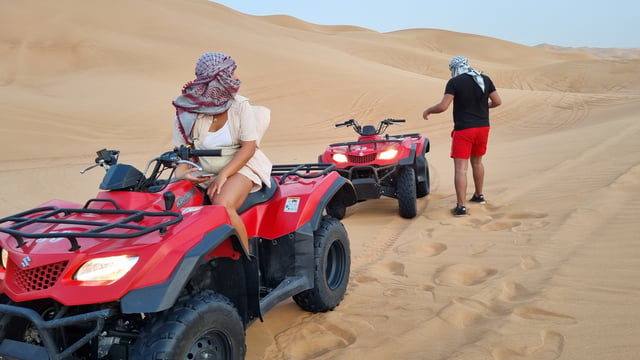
{"points": [[473, 94]]}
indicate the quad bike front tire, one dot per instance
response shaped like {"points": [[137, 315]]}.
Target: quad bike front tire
{"points": [[406, 193], [202, 326], [332, 255]]}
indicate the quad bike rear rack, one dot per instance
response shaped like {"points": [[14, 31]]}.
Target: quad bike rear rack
{"points": [[387, 139], [305, 171], [118, 219]]}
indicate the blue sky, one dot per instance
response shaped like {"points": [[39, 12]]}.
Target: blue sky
{"points": [[613, 23]]}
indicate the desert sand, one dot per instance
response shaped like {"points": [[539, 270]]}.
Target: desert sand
{"points": [[549, 268]]}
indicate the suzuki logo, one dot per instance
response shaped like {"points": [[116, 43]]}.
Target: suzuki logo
{"points": [[25, 262]]}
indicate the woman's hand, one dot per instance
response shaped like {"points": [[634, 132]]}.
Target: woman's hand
{"points": [[216, 185], [187, 172]]}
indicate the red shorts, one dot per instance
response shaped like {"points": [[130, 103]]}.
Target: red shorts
{"points": [[469, 142]]}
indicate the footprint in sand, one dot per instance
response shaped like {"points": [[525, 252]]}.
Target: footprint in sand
{"points": [[517, 221], [433, 249], [526, 215], [464, 312], [500, 225], [550, 348], [361, 279], [534, 313], [513, 291], [480, 247], [426, 234], [430, 289], [528, 262], [462, 274], [396, 268], [423, 249], [310, 340]]}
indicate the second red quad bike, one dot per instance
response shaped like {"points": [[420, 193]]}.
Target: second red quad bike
{"points": [[149, 270], [382, 165]]}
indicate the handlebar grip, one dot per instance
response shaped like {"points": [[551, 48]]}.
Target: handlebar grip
{"points": [[349, 122], [395, 120], [185, 153], [211, 152]]}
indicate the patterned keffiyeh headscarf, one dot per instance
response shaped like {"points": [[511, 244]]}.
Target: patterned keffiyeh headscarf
{"points": [[214, 87], [460, 65]]}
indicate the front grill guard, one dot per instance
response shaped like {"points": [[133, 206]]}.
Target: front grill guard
{"points": [[52, 215], [45, 328], [387, 171]]}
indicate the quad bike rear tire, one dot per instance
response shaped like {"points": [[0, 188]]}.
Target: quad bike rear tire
{"points": [[406, 193], [202, 326], [332, 256]]}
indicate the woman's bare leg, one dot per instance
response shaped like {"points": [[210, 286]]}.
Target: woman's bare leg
{"points": [[234, 192]]}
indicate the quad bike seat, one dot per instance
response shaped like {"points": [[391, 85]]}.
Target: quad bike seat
{"points": [[368, 130], [259, 197]]}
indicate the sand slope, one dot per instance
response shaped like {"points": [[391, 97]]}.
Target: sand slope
{"points": [[547, 269]]}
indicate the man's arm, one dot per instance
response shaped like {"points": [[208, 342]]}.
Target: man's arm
{"points": [[494, 100], [443, 105]]}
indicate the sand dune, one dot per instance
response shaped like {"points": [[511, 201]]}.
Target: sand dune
{"points": [[547, 269]]}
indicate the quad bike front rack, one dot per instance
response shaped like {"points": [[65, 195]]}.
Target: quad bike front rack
{"points": [[118, 219]]}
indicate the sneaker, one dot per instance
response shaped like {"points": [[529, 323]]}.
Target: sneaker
{"points": [[478, 199], [459, 210]]}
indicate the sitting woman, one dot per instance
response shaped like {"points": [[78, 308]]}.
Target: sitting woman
{"points": [[210, 115]]}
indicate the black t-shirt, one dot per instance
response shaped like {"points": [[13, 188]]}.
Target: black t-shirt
{"points": [[470, 104]]}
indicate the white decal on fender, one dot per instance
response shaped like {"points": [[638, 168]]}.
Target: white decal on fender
{"points": [[292, 204]]}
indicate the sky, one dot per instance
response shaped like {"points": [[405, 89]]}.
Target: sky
{"points": [[572, 23]]}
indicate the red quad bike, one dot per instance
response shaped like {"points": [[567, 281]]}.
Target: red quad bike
{"points": [[377, 165], [148, 270]]}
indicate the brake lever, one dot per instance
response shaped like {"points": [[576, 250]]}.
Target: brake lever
{"points": [[89, 168]]}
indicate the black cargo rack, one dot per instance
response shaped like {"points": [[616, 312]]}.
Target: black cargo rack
{"points": [[99, 229], [305, 171]]}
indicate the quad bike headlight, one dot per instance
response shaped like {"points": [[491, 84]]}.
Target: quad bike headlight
{"points": [[106, 269], [340, 158], [388, 154], [5, 258]]}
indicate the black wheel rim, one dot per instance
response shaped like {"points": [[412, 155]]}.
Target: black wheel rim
{"points": [[334, 273], [212, 345]]}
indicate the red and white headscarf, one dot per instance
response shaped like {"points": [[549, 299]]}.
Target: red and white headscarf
{"points": [[214, 87]]}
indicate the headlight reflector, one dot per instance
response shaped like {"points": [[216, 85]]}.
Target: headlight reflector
{"points": [[388, 154], [106, 269], [5, 258], [341, 158]]}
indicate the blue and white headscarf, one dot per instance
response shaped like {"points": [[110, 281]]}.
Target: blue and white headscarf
{"points": [[460, 65]]}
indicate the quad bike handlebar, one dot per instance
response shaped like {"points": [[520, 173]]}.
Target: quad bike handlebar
{"points": [[370, 129], [127, 177], [123, 176]]}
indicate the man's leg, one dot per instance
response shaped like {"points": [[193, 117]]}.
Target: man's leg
{"points": [[460, 179], [477, 168]]}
